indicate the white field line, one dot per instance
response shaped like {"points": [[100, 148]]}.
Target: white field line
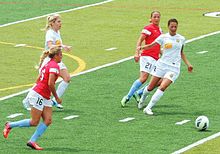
{"points": [[117, 62], [77, 8], [129, 58], [106, 65], [197, 143], [81, 73]]}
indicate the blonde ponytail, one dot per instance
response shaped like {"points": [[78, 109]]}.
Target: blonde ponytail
{"points": [[42, 57], [49, 20]]}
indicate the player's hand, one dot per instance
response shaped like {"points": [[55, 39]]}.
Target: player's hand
{"points": [[136, 57], [190, 68], [67, 48], [138, 48], [58, 100]]}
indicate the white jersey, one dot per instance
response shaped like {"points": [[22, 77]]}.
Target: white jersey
{"points": [[53, 36], [172, 46]]}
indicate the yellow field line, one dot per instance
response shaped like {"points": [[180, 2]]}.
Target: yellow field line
{"points": [[81, 63]]}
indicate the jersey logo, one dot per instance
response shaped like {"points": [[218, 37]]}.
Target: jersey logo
{"points": [[168, 46], [58, 42]]}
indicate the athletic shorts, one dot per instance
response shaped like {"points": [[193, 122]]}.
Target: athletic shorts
{"points": [[166, 71], [147, 64], [37, 101]]}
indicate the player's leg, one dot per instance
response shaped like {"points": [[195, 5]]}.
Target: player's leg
{"points": [[47, 120], [135, 86], [36, 110], [169, 77], [146, 66], [63, 84], [157, 95], [153, 82]]}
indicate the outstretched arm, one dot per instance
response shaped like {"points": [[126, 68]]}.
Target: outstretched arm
{"points": [[186, 61], [137, 52], [148, 46], [65, 47]]}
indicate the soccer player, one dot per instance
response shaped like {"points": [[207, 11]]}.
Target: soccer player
{"points": [[148, 57], [168, 66], [53, 38], [40, 99]]}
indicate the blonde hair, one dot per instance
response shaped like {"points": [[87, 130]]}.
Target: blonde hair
{"points": [[51, 19], [51, 53]]}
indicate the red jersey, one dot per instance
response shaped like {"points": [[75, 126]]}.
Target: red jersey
{"points": [[42, 86], [151, 32]]}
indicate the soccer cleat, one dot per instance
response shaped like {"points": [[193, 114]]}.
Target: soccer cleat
{"points": [[148, 111], [140, 105], [124, 101], [6, 130], [59, 106], [34, 145], [137, 97]]}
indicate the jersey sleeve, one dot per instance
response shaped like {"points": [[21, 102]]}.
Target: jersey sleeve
{"points": [[146, 31], [160, 39], [49, 36], [54, 69]]}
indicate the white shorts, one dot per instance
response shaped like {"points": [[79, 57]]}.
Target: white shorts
{"points": [[147, 64], [166, 71], [37, 101], [47, 59]]}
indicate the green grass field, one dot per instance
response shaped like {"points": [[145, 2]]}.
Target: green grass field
{"points": [[96, 96]]}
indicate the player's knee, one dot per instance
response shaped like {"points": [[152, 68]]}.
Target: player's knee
{"points": [[142, 79], [34, 122], [150, 88], [66, 78], [48, 121]]}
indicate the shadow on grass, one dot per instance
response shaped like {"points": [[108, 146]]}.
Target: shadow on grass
{"points": [[65, 150]]}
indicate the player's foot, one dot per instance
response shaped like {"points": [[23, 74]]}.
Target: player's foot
{"points": [[148, 111], [124, 101], [137, 97], [34, 145], [6, 130], [59, 106], [26, 105], [140, 105]]}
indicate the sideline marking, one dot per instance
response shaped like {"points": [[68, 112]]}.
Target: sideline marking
{"points": [[106, 65], [126, 59], [212, 14], [77, 74], [71, 117], [197, 143], [77, 8], [127, 119], [20, 45], [110, 49], [15, 115], [182, 122], [202, 52], [81, 63]]}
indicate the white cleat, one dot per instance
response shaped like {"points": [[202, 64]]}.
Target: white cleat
{"points": [[148, 111], [140, 105], [59, 106]]}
